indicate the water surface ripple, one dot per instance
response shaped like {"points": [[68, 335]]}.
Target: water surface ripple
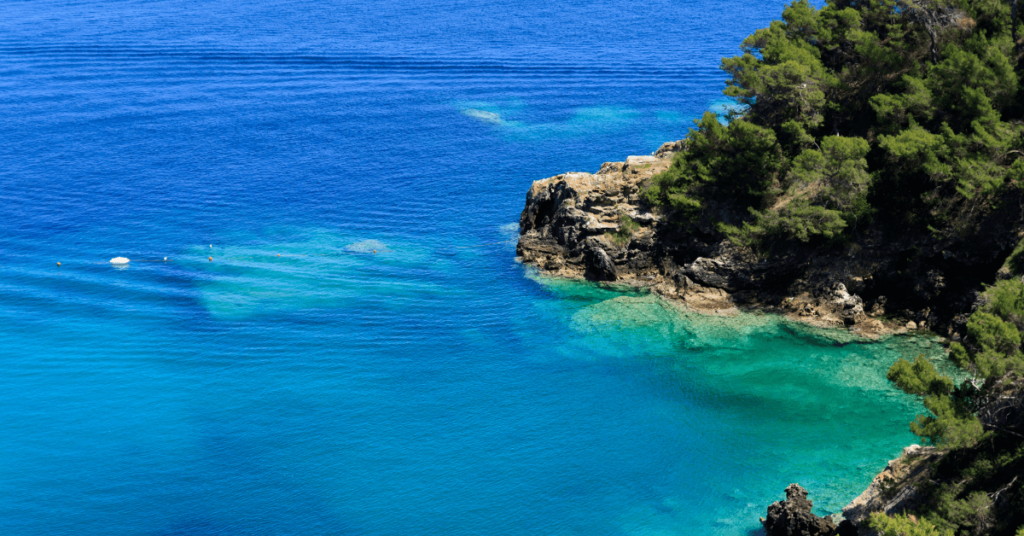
{"points": [[363, 355]]}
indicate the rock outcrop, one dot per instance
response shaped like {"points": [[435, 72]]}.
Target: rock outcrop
{"points": [[895, 489], [600, 227], [793, 517]]}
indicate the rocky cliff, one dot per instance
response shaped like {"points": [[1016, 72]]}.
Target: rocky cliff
{"points": [[599, 227], [896, 488]]}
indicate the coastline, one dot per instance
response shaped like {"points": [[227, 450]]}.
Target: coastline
{"points": [[571, 228], [568, 229]]}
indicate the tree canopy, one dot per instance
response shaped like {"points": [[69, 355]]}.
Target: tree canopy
{"points": [[907, 110]]}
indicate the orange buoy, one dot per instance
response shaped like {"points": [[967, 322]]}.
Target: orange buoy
{"points": [[58, 263], [211, 259], [374, 252], [278, 254]]}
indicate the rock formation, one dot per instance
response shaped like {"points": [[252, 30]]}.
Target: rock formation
{"points": [[600, 227], [793, 516]]}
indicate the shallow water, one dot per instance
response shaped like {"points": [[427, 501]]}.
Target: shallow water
{"points": [[363, 355]]}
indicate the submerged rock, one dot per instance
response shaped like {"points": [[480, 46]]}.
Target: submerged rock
{"points": [[793, 516]]}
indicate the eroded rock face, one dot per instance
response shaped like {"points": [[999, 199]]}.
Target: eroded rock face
{"points": [[569, 224], [793, 516]]}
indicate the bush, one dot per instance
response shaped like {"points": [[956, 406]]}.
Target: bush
{"points": [[904, 525], [627, 226]]}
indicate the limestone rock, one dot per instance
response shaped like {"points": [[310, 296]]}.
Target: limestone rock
{"points": [[670, 148], [793, 516], [565, 214], [894, 489]]}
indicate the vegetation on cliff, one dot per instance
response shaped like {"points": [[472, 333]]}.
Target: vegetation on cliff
{"points": [[895, 115], [976, 487], [907, 111]]}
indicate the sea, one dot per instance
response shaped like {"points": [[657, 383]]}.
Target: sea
{"points": [[323, 328]]}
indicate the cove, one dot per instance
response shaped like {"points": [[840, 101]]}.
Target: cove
{"points": [[435, 387]]}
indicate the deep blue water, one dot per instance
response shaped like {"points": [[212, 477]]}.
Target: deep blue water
{"points": [[435, 387]]}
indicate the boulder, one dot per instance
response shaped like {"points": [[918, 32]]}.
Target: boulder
{"points": [[850, 307], [717, 273], [793, 516], [599, 266]]}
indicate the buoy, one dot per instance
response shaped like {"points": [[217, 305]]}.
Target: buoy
{"points": [[278, 254], [211, 246], [119, 260], [374, 252], [58, 263], [211, 259], [165, 258]]}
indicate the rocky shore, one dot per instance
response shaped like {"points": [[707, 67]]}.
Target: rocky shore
{"points": [[599, 227], [893, 491]]}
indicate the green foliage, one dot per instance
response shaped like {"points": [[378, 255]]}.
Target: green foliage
{"points": [[952, 421], [919, 377], [993, 334], [978, 66], [905, 113], [905, 109], [826, 194], [1015, 261], [788, 81], [834, 177], [1006, 298], [800, 220], [903, 525], [627, 226], [914, 103], [994, 354], [972, 489], [739, 161]]}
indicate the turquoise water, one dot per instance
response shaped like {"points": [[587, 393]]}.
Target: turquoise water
{"points": [[301, 383]]}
